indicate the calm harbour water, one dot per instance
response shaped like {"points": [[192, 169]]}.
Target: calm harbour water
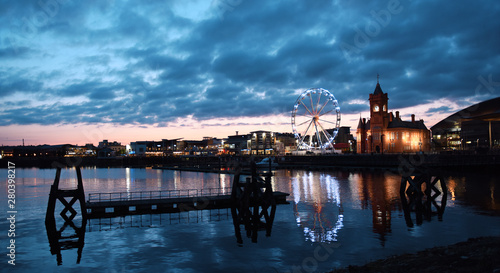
{"points": [[335, 218]]}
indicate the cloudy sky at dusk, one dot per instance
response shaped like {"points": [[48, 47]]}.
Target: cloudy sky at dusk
{"points": [[82, 71]]}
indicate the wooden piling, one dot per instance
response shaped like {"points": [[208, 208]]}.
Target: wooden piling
{"points": [[253, 204], [58, 241], [419, 193]]}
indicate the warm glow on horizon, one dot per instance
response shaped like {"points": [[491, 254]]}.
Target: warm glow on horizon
{"points": [[186, 128]]}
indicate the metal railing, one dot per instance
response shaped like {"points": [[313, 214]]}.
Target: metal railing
{"points": [[148, 195]]}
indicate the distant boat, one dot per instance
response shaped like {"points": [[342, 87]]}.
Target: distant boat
{"points": [[264, 163]]}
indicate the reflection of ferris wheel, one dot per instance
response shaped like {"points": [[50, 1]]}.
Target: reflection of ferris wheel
{"points": [[314, 111]]}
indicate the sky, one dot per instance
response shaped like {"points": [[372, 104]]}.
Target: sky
{"points": [[82, 71]]}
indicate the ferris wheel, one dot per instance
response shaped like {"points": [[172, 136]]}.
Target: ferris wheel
{"points": [[315, 119]]}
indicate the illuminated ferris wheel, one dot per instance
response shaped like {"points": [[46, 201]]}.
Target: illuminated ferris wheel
{"points": [[315, 119]]}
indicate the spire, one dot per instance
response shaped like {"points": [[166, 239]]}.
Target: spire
{"points": [[378, 90]]}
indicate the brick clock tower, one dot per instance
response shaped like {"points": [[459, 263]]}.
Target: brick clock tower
{"points": [[379, 120], [386, 133]]}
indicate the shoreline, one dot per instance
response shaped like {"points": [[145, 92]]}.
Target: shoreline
{"points": [[474, 255], [394, 162]]}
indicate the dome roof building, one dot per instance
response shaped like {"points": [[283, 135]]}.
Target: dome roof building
{"points": [[470, 128]]}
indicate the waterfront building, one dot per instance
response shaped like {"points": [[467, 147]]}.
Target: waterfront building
{"points": [[206, 146], [262, 142], [212, 146], [6, 151], [106, 152], [386, 133], [171, 146], [285, 143], [116, 147], [44, 150], [477, 126], [237, 144], [344, 141], [146, 148]]}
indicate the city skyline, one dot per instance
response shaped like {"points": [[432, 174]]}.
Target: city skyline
{"points": [[79, 73]]}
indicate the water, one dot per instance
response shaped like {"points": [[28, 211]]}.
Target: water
{"points": [[335, 218]]}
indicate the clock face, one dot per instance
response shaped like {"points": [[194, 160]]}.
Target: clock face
{"points": [[384, 108], [375, 108]]}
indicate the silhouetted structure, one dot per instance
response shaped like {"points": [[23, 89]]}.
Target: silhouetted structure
{"points": [[419, 193], [57, 240], [251, 206]]}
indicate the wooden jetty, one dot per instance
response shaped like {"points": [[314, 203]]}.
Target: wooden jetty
{"points": [[242, 198], [108, 205]]}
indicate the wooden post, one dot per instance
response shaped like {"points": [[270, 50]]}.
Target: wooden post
{"points": [[57, 241], [255, 202], [422, 202], [250, 204], [237, 203]]}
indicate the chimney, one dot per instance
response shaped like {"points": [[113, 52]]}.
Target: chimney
{"points": [[397, 114], [413, 118], [391, 117], [364, 121], [236, 132]]}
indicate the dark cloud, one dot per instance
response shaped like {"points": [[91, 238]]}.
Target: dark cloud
{"points": [[18, 82], [442, 109], [150, 63]]}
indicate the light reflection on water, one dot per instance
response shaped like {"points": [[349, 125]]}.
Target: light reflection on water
{"points": [[317, 206], [359, 211]]}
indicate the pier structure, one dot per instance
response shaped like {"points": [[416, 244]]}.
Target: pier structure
{"points": [[254, 194], [420, 192], [60, 238], [251, 200], [109, 205], [254, 203]]}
